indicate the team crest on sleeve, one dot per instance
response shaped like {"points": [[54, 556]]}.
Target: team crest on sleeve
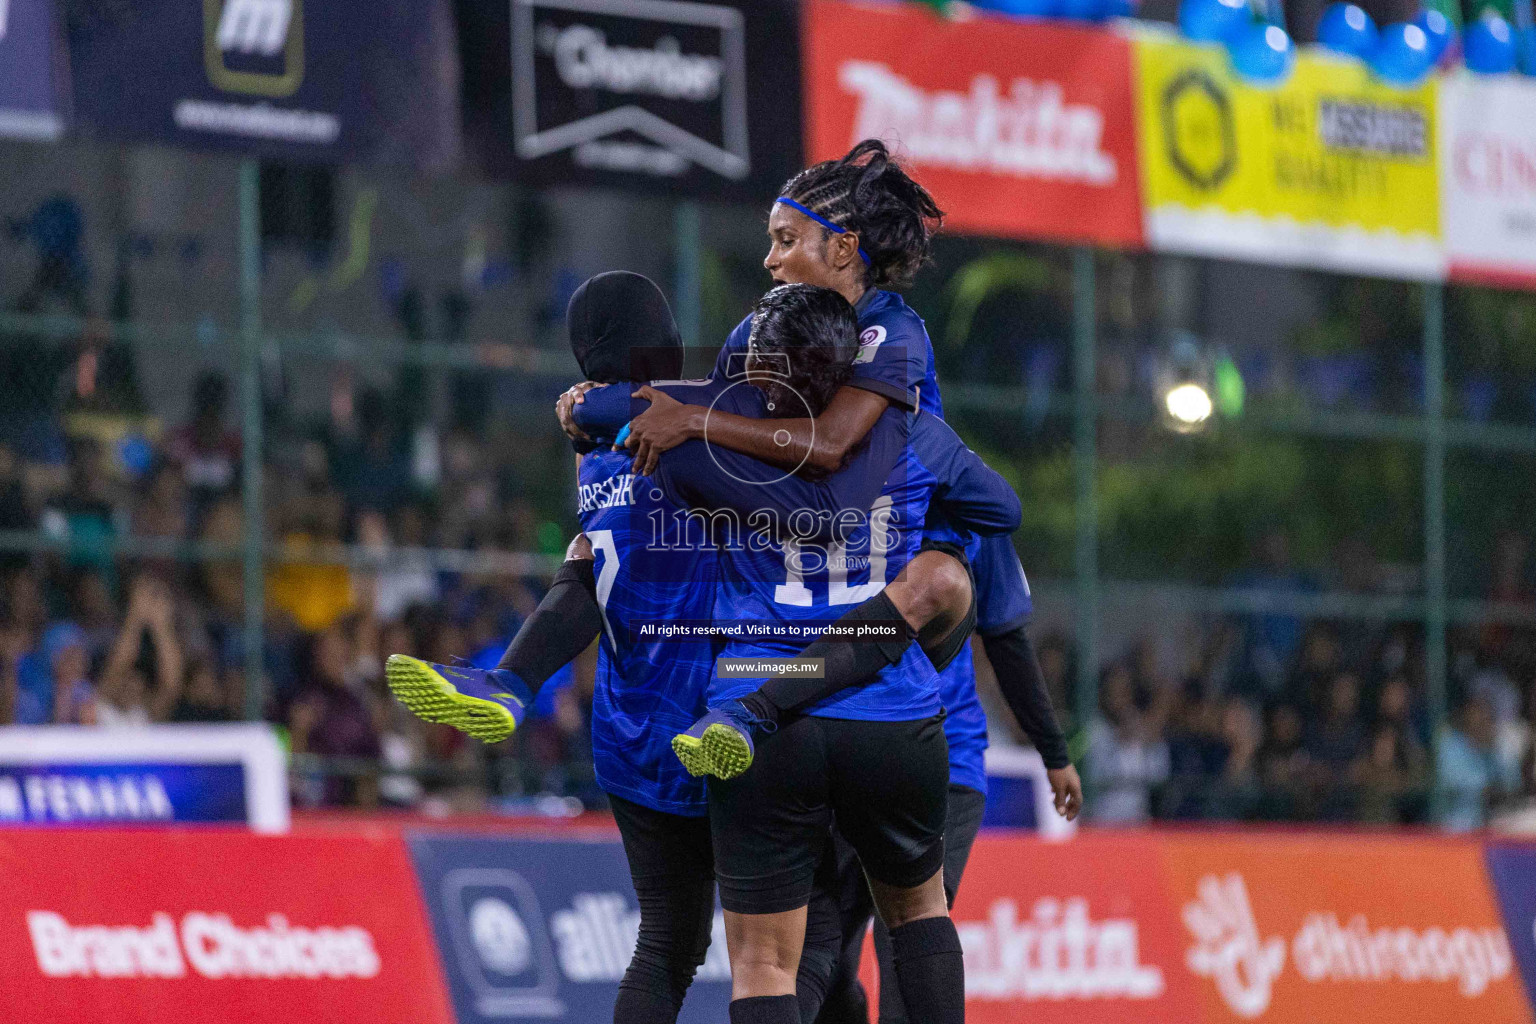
{"points": [[869, 343]]}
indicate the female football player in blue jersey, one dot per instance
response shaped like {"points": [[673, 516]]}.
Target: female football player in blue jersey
{"points": [[861, 226], [645, 691]]}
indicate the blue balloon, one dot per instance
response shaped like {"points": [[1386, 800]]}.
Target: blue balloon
{"points": [[1348, 29], [1262, 53], [1027, 8], [1489, 47], [1527, 43], [1437, 29], [1402, 54], [1213, 20], [1084, 10], [1120, 9]]}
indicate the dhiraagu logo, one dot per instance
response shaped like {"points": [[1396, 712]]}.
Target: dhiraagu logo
{"points": [[254, 47]]}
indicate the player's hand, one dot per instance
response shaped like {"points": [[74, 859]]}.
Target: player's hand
{"points": [[569, 399], [580, 549], [662, 427], [1067, 788]]}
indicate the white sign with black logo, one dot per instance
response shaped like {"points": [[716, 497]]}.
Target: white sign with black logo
{"points": [[648, 92]]}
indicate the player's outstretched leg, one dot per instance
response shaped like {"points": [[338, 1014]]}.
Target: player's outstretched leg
{"points": [[487, 705], [720, 743]]}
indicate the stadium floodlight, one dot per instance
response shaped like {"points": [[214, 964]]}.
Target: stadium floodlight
{"points": [[1189, 406]]}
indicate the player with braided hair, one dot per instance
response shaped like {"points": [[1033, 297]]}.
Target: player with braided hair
{"points": [[868, 195]]}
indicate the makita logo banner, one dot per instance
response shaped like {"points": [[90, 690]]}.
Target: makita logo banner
{"points": [[1075, 932], [544, 930], [164, 926], [654, 93], [1022, 129], [1057, 952]]}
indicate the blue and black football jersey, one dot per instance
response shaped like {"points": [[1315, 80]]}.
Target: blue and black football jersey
{"points": [[897, 355], [646, 689], [805, 582]]}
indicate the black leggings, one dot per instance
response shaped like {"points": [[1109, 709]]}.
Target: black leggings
{"points": [[671, 862], [672, 865], [846, 999]]}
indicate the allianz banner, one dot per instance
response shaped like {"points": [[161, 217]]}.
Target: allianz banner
{"points": [[289, 78], [29, 71], [1020, 129], [1329, 169], [544, 929], [695, 99]]}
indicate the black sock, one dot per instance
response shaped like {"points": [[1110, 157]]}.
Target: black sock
{"points": [[765, 1010], [636, 1006], [930, 971], [849, 662], [561, 627]]}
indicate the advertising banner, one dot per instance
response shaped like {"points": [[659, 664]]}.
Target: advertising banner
{"points": [[160, 927], [699, 99], [1329, 169], [543, 930], [1066, 933], [1019, 129], [280, 77], [1513, 869], [1324, 930], [28, 87], [160, 775], [1488, 178]]}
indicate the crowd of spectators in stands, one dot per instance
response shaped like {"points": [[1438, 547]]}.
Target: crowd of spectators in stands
{"points": [[93, 637], [1280, 719], [1273, 718]]}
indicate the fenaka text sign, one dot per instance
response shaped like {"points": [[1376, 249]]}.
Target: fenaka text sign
{"points": [[1019, 129]]}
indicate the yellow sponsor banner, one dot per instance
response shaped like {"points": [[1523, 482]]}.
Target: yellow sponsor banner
{"points": [[1330, 168]]}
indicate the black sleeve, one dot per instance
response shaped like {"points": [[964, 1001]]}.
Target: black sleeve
{"points": [[1023, 687], [563, 625]]}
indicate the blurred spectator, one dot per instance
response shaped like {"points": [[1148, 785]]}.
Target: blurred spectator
{"points": [[331, 719], [1126, 754], [1389, 776], [1467, 770], [1508, 583], [313, 593], [1283, 764], [126, 698], [368, 460], [74, 698], [204, 697], [206, 451], [1338, 737], [1272, 638], [401, 579]]}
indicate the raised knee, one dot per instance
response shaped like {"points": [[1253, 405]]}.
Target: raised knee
{"points": [[940, 589]]}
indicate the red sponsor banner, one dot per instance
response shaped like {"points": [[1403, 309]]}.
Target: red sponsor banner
{"points": [[210, 925], [1325, 930], [1018, 129]]}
